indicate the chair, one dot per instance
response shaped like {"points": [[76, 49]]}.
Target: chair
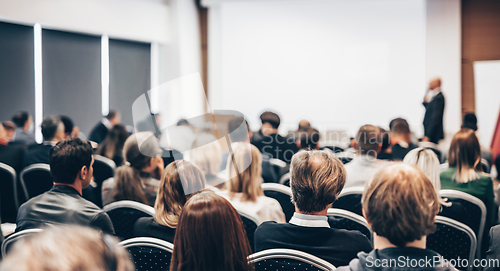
{"points": [[11, 239], [250, 223], [149, 253], [280, 166], [124, 214], [350, 200], [104, 168], [36, 180], [342, 219], [285, 179], [288, 259], [283, 195], [485, 165], [474, 208], [8, 193], [453, 240]]}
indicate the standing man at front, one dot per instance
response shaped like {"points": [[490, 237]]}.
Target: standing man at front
{"points": [[434, 105]]}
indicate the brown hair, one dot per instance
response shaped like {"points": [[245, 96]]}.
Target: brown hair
{"points": [[465, 155], [67, 248], [247, 160], [316, 179], [114, 141], [368, 139], [210, 237], [178, 177], [401, 204]]}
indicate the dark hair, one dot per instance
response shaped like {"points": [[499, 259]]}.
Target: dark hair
{"points": [[111, 114], [386, 139], [182, 122], [401, 128], [9, 125], [50, 125], [67, 159], [20, 118], [210, 237], [234, 128], [309, 139], [68, 124], [368, 139], [271, 118], [470, 121], [397, 120], [114, 141]]}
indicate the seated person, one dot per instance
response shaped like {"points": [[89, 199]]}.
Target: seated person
{"points": [[138, 178], [317, 177], [385, 150], [365, 164], [177, 177], [112, 146], [470, 121], [400, 204], [210, 237], [52, 132], [206, 154], [100, 131], [493, 252], [401, 140], [24, 129], [10, 128], [243, 189], [10, 155], [68, 248], [71, 164], [308, 139]]}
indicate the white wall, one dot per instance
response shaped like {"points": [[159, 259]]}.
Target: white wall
{"points": [[487, 88]]}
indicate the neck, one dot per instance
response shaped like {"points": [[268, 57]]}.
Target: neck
{"points": [[321, 213], [76, 185], [380, 242]]}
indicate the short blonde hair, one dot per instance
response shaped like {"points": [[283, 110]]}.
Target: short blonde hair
{"points": [[245, 171], [68, 248], [401, 204], [206, 153]]}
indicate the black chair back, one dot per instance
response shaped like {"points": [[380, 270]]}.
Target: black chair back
{"points": [[104, 168], [250, 224], [149, 254], [11, 239], [350, 200], [36, 180], [8, 193], [280, 167], [283, 195], [342, 219], [288, 260], [124, 214]]}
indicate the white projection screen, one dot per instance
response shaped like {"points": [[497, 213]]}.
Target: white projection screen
{"points": [[339, 63]]}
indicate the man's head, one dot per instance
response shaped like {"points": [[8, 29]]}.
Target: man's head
{"points": [[397, 120], [470, 121], [22, 120], [53, 129], [401, 131], [304, 125], [317, 177], [435, 83], [368, 140], [386, 139], [400, 203], [308, 139], [68, 125], [114, 117], [270, 118], [3, 134], [71, 160], [239, 130], [10, 129]]}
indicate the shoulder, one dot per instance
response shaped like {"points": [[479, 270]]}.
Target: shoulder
{"points": [[143, 222], [270, 226]]}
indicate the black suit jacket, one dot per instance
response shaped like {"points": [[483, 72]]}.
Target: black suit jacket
{"points": [[98, 133], [12, 156], [278, 147], [433, 119], [38, 153]]}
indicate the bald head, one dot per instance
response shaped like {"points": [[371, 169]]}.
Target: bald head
{"points": [[304, 125], [435, 83]]}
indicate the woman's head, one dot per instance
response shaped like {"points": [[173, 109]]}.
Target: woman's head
{"points": [[210, 237], [245, 172], [180, 180], [465, 155], [139, 149], [113, 144], [206, 153]]}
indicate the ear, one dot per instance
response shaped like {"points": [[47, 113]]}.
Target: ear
{"points": [[379, 148], [298, 143], [83, 172], [364, 215]]}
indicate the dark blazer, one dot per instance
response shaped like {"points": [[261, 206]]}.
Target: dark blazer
{"points": [[38, 153], [433, 119], [98, 133], [493, 252], [277, 146], [62, 205], [148, 227], [12, 156], [399, 152]]}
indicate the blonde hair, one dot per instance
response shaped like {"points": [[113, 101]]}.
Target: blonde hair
{"points": [[67, 248], [180, 180], [465, 156], [206, 153], [245, 171], [427, 161]]}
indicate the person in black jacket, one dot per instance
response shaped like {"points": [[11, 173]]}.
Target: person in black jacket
{"points": [[52, 132], [71, 164], [434, 109], [100, 131]]}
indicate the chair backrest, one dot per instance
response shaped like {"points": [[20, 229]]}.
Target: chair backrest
{"points": [[288, 259], [283, 195], [11, 239], [350, 200], [104, 168], [280, 166], [8, 193], [250, 223], [473, 208], [485, 165], [149, 253], [453, 240], [124, 214], [342, 219], [36, 180], [285, 179]]}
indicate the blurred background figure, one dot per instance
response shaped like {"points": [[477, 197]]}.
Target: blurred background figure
{"points": [[112, 146], [206, 154], [24, 128], [10, 129], [434, 110], [100, 131]]}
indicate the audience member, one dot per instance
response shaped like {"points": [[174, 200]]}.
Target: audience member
{"points": [[24, 128], [317, 177], [243, 189], [401, 140], [138, 178], [308, 139], [493, 253], [177, 178], [365, 164], [400, 204], [268, 141], [70, 130], [239, 131], [180, 138], [385, 150], [52, 132], [9, 154], [434, 109], [206, 154], [100, 131], [71, 164], [68, 249], [465, 174], [10, 129], [112, 146], [470, 121], [210, 237]]}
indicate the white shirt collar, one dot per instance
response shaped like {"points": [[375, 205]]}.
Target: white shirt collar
{"points": [[313, 221], [106, 123]]}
